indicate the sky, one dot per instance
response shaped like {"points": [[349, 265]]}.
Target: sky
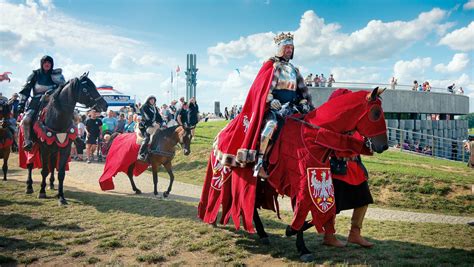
{"points": [[136, 46]]}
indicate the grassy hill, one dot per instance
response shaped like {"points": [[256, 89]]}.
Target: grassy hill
{"points": [[397, 179], [121, 230], [115, 229]]}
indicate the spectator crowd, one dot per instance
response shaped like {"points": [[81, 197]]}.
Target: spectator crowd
{"points": [[95, 129]]}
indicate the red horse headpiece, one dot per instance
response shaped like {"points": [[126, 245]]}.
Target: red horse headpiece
{"points": [[348, 111]]}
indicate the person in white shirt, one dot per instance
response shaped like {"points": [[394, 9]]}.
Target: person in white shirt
{"points": [[323, 80]]}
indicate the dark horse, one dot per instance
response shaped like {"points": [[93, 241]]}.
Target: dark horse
{"points": [[163, 147], [59, 120], [304, 143], [6, 138]]}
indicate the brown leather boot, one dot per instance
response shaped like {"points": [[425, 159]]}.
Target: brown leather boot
{"points": [[332, 241], [356, 224], [355, 238]]}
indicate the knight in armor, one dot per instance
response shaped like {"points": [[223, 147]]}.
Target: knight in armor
{"points": [[151, 119], [287, 95], [41, 83]]}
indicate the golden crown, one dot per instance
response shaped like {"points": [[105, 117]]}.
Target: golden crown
{"points": [[283, 36]]}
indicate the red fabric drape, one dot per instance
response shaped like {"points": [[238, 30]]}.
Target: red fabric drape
{"points": [[123, 153]]}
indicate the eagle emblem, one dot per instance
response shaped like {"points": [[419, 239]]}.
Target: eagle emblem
{"points": [[321, 188], [220, 174]]}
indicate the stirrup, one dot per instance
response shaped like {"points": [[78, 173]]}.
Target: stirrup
{"points": [[143, 158], [27, 145], [259, 168]]}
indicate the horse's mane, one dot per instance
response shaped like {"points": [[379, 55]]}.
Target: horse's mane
{"points": [[169, 131], [54, 98]]}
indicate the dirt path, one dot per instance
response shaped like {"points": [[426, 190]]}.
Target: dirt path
{"points": [[85, 177]]}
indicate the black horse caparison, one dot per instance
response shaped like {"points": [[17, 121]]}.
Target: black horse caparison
{"points": [[59, 119]]}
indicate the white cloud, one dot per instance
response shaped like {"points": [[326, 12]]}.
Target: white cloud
{"points": [[458, 63], [316, 39], [134, 84], [461, 39], [260, 45], [121, 60], [407, 71], [469, 5], [39, 29], [359, 75]]}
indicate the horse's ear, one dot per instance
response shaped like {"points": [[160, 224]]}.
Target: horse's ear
{"points": [[372, 96], [84, 75], [380, 91]]}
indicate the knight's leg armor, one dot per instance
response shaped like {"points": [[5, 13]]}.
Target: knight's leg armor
{"points": [[26, 124], [265, 137], [143, 153]]}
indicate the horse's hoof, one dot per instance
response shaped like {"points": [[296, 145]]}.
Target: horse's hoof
{"points": [[307, 258], [29, 190], [62, 202], [4, 179], [51, 187], [166, 194], [42, 195], [265, 241], [138, 192]]}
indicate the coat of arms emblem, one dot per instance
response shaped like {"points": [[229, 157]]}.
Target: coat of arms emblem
{"points": [[220, 174], [321, 188]]}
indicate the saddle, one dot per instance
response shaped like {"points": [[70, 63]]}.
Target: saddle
{"points": [[45, 134], [139, 135]]}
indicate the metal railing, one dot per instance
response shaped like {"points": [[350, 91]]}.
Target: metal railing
{"points": [[427, 145], [404, 87]]}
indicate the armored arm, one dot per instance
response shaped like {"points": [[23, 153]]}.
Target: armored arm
{"points": [[304, 97], [158, 118], [274, 103], [26, 91], [57, 77]]}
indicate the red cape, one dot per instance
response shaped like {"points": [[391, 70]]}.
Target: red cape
{"points": [[237, 145], [237, 142], [123, 153], [216, 191]]}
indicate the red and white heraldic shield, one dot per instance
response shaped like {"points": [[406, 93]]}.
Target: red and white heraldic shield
{"points": [[220, 174], [321, 188]]}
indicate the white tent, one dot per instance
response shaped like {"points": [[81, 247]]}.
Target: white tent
{"points": [[114, 97]]}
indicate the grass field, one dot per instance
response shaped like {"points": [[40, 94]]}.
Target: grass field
{"points": [[397, 180], [109, 229]]}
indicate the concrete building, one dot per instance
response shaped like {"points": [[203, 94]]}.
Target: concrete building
{"points": [[420, 117]]}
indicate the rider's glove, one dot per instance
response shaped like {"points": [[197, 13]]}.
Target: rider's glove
{"points": [[275, 104], [21, 107]]}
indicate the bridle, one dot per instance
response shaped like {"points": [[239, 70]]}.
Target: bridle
{"points": [[96, 100], [368, 141]]}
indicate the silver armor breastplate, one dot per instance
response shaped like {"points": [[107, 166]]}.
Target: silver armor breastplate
{"points": [[40, 89], [287, 76]]}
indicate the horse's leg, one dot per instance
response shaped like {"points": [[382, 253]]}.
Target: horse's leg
{"points": [[29, 180], [290, 232], [6, 155], [45, 160], [169, 169], [130, 176], [63, 157], [53, 166], [305, 254], [260, 229], [155, 167]]}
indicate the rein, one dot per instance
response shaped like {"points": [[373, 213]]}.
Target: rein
{"points": [[368, 141]]}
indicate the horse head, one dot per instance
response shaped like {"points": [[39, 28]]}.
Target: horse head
{"points": [[349, 112], [185, 136], [88, 94]]}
